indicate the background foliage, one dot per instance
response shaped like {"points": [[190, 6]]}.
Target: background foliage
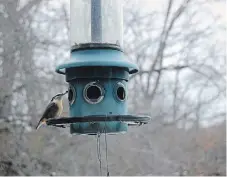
{"points": [[179, 46]]}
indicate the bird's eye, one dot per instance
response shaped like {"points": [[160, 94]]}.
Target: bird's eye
{"points": [[93, 93], [71, 95], [120, 92]]}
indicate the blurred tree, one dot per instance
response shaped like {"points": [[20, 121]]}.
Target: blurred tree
{"points": [[181, 84], [16, 52], [181, 66]]}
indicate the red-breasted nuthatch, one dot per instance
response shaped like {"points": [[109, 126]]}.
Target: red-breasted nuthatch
{"points": [[54, 109]]}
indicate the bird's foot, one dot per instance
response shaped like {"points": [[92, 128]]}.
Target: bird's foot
{"points": [[60, 126]]}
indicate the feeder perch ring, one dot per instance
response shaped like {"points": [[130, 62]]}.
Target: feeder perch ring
{"points": [[137, 120]]}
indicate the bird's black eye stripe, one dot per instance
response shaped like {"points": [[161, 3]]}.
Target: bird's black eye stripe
{"points": [[60, 94], [52, 98]]}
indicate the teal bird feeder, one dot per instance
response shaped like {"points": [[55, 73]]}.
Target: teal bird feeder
{"points": [[97, 71]]}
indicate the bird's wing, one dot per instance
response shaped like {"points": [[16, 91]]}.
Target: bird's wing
{"points": [[50, 111]]}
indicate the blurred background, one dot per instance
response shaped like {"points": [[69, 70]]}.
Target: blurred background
{"points": [[180, 48]]}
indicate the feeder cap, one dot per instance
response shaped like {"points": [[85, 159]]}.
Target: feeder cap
{"points": [[97, 57]]}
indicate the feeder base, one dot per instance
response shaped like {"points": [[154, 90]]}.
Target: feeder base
{"points": [[95, 124], [93, 128]]}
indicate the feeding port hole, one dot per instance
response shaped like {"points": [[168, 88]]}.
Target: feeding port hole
{"points": [[120, 92], [71, 95], [93, 93]]}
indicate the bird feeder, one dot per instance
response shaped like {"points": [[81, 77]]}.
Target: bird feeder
{"points": [[97, 71]]}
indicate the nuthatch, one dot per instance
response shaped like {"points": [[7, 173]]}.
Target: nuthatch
{"points": [[53, 110]]}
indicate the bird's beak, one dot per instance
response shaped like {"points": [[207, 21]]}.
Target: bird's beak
{"points": [[65, 92]]}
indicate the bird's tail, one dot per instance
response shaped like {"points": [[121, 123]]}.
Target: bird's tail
{"points": [[40, 124]]}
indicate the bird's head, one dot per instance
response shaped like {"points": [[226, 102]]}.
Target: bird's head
{"points": [[58, 97]]}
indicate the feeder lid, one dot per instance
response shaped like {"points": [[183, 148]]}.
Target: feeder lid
{"points": [[97, 57]]}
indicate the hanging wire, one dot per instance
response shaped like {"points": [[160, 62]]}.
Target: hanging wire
{"points": [[99, 153], [107, 165]]}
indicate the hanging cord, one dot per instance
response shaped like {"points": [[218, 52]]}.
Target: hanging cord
{"points": [[107, 166], [99, 153]]}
